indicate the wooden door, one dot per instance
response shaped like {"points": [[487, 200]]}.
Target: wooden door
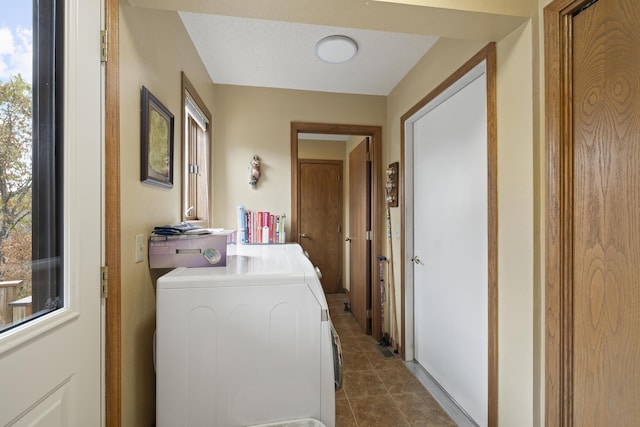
{"points": [[593, 222], [359, 224], [321, 218]]}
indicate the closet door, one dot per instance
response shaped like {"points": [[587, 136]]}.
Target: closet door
{"points": [[450, 203], [593, 220]]}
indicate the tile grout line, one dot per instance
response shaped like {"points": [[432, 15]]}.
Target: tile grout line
{"points": [[366, 349], [393, 400], [353, 414]]}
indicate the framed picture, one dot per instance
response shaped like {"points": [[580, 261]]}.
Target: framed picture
{"points": [[156, 134]]}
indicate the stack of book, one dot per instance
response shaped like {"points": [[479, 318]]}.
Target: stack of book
{"points": [[260, 227]]}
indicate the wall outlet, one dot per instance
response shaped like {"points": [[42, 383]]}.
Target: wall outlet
{"points": [[139, 250]]}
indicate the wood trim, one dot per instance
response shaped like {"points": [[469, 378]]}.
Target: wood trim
{"points": [[553, 302], [295, 179], [113, 387], [187, 86], [488, 54], [377, 194], [492, 230], [558, 17], [483, 54], [378, 216], [403, 230]]}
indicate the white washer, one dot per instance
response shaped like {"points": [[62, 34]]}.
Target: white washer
{"points": [[244, 344]]}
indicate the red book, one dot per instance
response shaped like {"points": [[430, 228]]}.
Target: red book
{"points": [[272, 229]]}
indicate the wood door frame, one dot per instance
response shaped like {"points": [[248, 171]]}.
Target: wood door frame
{"points": [[112, 352], [377, 195], [340, 164], [488, 54], [558, 21]]}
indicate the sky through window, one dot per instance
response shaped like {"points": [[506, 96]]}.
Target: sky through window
{"points": [[16, 39]]}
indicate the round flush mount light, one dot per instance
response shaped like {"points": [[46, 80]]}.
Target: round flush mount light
{"points": [[336, 49]]}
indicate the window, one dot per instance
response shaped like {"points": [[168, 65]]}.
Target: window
{"points": [[195, 154], [31, 41]]}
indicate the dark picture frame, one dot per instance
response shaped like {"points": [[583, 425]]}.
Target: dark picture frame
{"points": [[156, 141]]}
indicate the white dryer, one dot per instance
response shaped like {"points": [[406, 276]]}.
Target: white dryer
{"points": [[245, 344]]}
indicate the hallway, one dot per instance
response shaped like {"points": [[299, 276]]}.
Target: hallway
{"points": [[377, 390]]}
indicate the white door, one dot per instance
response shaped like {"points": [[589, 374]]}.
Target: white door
{"points": [[50, 367], [450, 242]]}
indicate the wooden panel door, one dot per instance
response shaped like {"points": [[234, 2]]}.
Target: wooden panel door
{"points": [[606, 188], [593, 230], [321, 218], [359, 224]]}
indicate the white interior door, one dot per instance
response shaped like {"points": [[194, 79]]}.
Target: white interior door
{"points": [[51, 366], [450, 251]]}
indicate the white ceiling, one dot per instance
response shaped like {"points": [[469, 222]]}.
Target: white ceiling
{"points": [[278, 54], [271, 43]]}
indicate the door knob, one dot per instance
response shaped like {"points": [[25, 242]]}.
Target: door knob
{"points": [[416, 260], [304, 236]]}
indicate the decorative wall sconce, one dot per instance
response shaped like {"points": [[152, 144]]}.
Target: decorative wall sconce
{"points": [[391, 186], [254, 171]]}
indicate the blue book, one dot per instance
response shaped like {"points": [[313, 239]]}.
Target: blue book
{"points": [[242, 224]]}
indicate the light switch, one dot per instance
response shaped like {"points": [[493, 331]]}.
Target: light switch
{"points": [[139, 250]]}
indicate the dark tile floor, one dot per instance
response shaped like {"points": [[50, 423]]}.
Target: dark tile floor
{"points": [[377, 391]]}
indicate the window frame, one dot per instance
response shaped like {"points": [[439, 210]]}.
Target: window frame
{"points": [[189, 94], [47, 186], [48, 161]]}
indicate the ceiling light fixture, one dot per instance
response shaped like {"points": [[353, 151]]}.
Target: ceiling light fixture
{"points": [[336, 49]]}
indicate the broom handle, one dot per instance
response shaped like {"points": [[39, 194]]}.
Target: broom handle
{"points": [[392, 286]]}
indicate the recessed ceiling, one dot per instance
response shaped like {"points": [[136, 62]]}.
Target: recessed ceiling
{"points": [[276, 54]]}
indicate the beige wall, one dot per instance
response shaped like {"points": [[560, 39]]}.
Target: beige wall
{"points": [[503, 7], [516, 220], [539, 200], [515, 200], [321, 150], [154, 49], [247, 121], [250, 121]]}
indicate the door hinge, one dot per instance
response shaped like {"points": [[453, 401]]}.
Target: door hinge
{"points": [[369, 314], [339, 177], [104, 45], [369, 235], [104, 281], [368, 156]]}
